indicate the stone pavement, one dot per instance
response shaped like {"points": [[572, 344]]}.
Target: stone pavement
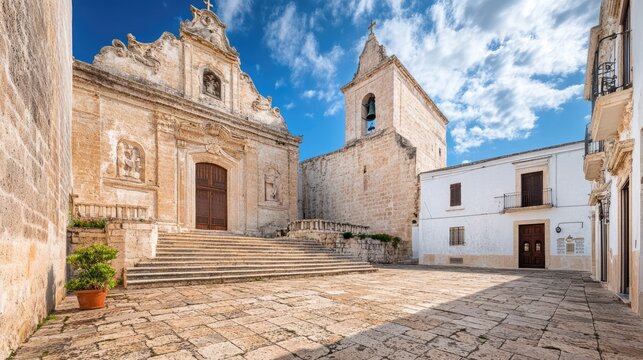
{"points": [[409, 312]]}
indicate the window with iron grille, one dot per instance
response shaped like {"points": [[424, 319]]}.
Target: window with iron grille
{"points": [[456, 236], [456, 195]]}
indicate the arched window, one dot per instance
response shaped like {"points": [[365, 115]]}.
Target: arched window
{"points": [[369, 114], [211, 84]]}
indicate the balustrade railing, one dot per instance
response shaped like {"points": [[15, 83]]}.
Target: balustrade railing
{"points": [[527, 199], [115, 211], [325, 225]]}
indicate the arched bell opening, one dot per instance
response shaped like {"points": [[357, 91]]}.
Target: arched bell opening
{"points": [[369, 114]]}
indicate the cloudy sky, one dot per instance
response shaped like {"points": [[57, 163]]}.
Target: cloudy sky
{"points": [[507, 74]]}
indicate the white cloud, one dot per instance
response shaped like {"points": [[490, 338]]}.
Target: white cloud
{"points": [[290, 37], [233, 12], [334, 108], [289, 106], [279, 83], [491, 65], [358, 9]]}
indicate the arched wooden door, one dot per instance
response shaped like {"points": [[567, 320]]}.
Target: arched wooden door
{"points": [[211, 197]]}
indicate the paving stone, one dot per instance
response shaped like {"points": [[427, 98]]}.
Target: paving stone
{"points": [[396, 313], [219, 351]]}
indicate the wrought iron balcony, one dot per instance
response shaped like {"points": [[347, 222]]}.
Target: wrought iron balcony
{"points": [[592, 147], [605, 74], [528, 199]]}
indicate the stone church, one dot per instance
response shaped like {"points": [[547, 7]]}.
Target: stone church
{"points": [[174, 131], [394, 131]]}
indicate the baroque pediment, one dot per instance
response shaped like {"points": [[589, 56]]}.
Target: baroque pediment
{"points": [[206, 26], [138, 53]]}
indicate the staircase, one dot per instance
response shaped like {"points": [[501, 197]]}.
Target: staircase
{"points": [[200, 258]]}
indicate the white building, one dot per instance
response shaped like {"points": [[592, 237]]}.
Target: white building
{"points": [[522, 210], [613, 151]]}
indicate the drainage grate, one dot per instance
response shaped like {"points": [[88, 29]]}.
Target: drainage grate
{"points": [[453, 260]]}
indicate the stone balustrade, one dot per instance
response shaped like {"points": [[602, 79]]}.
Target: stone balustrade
{"points": [[325, 225], [115, 211]]}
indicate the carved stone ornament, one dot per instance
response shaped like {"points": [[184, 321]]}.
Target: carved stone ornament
{"points": [[207, 26], [211, 84], [165, 123], [142, 53], [130, 161], [271, 185], [262, 103]]}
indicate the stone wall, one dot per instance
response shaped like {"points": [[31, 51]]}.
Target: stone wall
{"points": [[371, 182], [134, 240], [367, 249], [35, 162]]}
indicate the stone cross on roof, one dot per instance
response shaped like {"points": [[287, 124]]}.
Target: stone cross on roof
{"points": [[208, 4], [372, 26]]}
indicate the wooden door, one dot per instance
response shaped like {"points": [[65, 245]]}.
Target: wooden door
{"points": [[531, 246], [531, 189], [211, 197]]}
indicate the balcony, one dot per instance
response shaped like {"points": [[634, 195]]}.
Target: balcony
{"points": [[611, 86], [594, 157], [530, 200]]}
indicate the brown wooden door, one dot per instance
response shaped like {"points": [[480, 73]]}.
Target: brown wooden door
{"points": [[531, 189], [531, 246], [211, 197]]}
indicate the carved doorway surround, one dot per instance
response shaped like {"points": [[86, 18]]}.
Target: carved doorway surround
{"points": [[211, 198]]}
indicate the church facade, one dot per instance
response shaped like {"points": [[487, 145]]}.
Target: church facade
{"points": [[394, 131], [174, 131]]}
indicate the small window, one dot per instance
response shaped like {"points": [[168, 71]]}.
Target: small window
{"points": [[456, 236], [211, 84], [456, 196]]}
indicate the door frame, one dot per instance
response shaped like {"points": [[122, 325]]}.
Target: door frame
{"points": [[225, 191], [625, 235], [516, 240], [187, 189]]}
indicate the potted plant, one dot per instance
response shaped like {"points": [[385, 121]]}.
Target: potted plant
{"points": [[93, 275]]}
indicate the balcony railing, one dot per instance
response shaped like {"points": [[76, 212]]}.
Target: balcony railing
{"points": [[109, 211], [605, 74], [528, 199], [592, 147]]}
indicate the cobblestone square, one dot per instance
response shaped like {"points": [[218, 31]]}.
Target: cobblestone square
{"points": [[406, 312]]}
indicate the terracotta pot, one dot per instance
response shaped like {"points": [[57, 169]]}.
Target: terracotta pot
{"points": [[91, 299]]}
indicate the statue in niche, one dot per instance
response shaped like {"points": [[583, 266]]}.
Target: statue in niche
{"points": [[130, 161], [211, 84], [272, 185]]}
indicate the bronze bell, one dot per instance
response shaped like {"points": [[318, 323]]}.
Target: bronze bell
{"points": [[371, 109]]}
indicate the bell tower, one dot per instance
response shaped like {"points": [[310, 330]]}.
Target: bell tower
{"points": [[368, 95], [384, 97]]}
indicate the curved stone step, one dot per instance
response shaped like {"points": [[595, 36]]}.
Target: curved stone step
{"points": [[134, 284], [209, 273], [148, 269]]}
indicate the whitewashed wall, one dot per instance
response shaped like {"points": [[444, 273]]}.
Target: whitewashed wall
{"points": [[489, 233]]}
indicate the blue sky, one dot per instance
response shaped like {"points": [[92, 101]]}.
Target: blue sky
{"points": [[508, 74]]}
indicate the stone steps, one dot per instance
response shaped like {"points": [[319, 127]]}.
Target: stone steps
{"points": [[158, 282], [205, 257]]}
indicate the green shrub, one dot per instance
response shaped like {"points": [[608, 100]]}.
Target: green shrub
{"points": [[362, 236], [89, 223], [347, 235], [386, 238], [92, 269]]}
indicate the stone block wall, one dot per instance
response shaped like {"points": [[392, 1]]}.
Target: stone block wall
{"points": [[134, 240], [367, 249], [35, 162], [370, 182]]}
